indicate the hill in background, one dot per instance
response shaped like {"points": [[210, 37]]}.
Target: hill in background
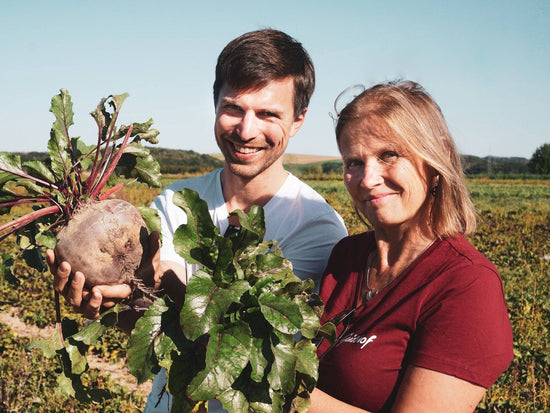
{"points": [[177, 161]]}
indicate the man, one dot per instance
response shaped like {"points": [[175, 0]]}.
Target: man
{"points": [[264, 80]]}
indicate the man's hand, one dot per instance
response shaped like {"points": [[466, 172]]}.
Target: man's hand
{"points": [[84, 300]]}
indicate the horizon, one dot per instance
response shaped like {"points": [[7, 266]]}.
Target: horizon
{"points": [[302, 156]]}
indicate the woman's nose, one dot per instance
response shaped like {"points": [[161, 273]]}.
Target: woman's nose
{"points": [[372, 174]]}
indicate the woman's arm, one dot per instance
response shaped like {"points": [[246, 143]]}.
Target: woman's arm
{"points": [[421, 390], [321, 402], [424, 390]]}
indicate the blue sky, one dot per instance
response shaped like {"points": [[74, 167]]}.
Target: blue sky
{"points": [[487, 64]]}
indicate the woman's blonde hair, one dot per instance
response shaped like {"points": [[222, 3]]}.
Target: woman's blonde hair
{"points": [[411, 116]]}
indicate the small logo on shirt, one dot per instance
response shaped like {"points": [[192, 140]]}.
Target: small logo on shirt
{"points": [[358, 339]]}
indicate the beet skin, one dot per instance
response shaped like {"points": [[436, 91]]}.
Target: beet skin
{"points": [[105, 240]]}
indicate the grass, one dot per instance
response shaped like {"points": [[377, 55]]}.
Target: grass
{"points": [[513, 232]]}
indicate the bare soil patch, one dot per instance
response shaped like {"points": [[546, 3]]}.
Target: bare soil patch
{"points": [[117, 371]]}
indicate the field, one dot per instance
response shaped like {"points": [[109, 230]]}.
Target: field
{"points": [[513, 232]]}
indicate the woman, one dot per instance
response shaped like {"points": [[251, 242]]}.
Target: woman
{"points": [[422, 321]]}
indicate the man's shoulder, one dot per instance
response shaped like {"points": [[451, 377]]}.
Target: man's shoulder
{"points": [[294, 188], [197, 183]]}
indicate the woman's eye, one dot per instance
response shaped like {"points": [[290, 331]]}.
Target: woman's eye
{"points": [[353, 164], [389, 156]]}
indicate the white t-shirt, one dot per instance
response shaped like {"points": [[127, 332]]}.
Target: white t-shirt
{"points": [[303, 223]]}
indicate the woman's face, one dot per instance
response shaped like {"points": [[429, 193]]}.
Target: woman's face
{"points": [[388, 185]]}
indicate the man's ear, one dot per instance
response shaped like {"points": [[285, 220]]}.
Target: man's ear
{"points": [[298, 122]]}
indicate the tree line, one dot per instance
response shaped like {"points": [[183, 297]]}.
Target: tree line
{"points": [[178, 161]]}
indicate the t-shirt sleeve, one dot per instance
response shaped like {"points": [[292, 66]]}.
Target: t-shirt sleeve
{"points": [[163, 203], [309, 250], [464, 330]]}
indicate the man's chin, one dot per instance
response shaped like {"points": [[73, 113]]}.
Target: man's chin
{"points": [[245, 171]]}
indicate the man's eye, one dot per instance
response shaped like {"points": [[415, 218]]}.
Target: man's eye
{"points": [[267, 114], [231, 108]]}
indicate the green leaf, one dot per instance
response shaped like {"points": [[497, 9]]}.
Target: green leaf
{"points": [[144, 340], [117, 101], [7, 269], [152, 219], [252, 228], [306, 357], [258, 361], [227, 354], [328, 332], [301, 401], [65, 384], [206, 303], [184, 367], [11, 164], [90, 334], [58, 145], [282, 314], [50, 345], [46, 239], [77, 354], [194, 241], [234, 401], [136, 162], [83, 153], [310, 324], [39, 170], [33, 258], [283, 370]]}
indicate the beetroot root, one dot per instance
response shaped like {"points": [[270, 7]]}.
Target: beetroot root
{"points": [[105, 240]]}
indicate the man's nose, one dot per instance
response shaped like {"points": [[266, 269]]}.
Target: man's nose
{"points": [[248, 127]]}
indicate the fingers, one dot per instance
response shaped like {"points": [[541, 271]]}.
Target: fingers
{"points": [[75, 289], [148, 272], [112, 293], [61, 273], [92, 307]]}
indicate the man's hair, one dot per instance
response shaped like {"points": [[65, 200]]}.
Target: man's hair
{"points": [[254, 59], [404, 113]]}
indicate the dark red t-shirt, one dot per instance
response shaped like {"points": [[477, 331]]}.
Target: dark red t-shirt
{"points": [[446, 312]]}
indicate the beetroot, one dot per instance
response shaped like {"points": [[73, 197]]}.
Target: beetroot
{"points": [[105, 240]]}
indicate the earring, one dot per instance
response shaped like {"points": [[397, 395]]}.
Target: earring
{"points": [[435, 187]]}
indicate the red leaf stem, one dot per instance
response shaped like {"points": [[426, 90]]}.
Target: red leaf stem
{"points": [[111, 191], [22, 201], [112, 166], [26, 219], [32, 178]]}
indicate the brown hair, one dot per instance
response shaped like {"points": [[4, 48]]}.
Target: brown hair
{"points": [[254, 59], [404, 111]]}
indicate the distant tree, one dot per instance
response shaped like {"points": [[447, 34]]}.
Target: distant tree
{"points": [[540, 161]]}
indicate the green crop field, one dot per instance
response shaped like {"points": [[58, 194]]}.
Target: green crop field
{"points": [[513, 232]]}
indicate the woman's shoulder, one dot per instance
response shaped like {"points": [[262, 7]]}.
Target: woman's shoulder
{"points": [[465, 254]]}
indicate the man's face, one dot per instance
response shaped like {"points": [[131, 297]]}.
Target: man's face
{"points": [[253, 127]]}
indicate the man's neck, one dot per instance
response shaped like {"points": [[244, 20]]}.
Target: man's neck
{"points": [[242, 193]]}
